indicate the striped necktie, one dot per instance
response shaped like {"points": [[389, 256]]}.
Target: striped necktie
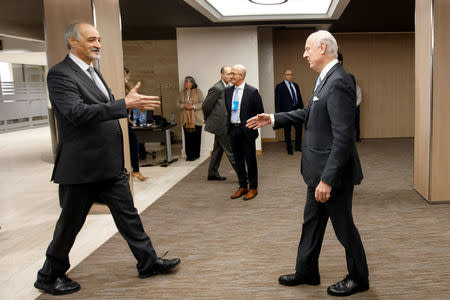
{"points": [[97, 81]]}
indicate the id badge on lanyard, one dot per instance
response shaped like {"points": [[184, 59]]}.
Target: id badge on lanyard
{"points": [[235, 105]]}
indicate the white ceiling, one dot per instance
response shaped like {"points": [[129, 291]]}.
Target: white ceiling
{"points": [[244, 10]]}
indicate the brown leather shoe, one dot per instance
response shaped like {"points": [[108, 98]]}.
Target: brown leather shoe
{"points": [[239, 193], [251, 194], [139, 176]]}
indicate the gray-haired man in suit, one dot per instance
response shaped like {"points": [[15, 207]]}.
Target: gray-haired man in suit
{"points": [[330, 167], [89, 162], [215, 114]]}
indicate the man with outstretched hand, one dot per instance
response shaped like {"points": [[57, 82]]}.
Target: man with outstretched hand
{"points": [[89, 163], [330, 167]]}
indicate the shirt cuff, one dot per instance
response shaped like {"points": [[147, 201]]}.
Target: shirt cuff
{"points": [[272, 119]]}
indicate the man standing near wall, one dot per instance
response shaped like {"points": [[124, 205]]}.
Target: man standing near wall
{"points": [[287, 98], [330, 167], [215, 115], [243, 102]]}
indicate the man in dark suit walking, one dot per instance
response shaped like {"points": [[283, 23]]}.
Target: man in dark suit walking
{"points": [[89, 164], [243, 102], [215, 115], [330, 167], [287, 98]]}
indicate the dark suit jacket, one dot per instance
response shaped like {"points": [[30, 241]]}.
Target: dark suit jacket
{"points": [[251, 105], [328, 150], [214, 110], [90, 146], [283, 98]]}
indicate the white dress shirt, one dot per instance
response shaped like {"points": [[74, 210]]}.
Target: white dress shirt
{"points": [[241, 92], [84, 66]]}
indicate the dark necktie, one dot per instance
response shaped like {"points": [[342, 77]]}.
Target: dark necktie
{"points": [[294, 97]]}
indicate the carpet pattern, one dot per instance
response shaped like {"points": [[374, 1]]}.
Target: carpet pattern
{"points": [[232, 249]]}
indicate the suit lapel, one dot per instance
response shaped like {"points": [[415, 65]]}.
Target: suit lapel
{"points": [[319, 88], [243, 100], [331, 71], [85, 78]]}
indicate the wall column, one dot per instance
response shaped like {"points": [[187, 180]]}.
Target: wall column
{"points": [[432, 103]]}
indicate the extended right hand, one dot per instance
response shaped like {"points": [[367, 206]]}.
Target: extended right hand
{"points": [[259, 121], [135, 100]]}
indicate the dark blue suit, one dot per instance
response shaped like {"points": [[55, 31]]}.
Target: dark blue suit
{"points": [[242, 138], [284, 102]]}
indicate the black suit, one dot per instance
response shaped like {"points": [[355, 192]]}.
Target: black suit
{"points": [[243, 138], [329, 154], [284, 102], [89, 165]]}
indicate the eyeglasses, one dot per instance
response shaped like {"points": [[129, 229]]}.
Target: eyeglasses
{"points": [[289, 74], [234, 74]]}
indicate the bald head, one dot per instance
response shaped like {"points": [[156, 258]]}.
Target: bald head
{"points": [[225, 74]]}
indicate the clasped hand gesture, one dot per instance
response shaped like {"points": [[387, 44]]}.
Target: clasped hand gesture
{"points": [[138, 101]]}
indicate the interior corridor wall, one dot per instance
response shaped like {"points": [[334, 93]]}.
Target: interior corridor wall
{"points": [[203, 51], [154, 64], [383, 65]]}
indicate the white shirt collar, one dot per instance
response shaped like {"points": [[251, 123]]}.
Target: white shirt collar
{"points": [[225, 84], [84, 66], [241, 87], [328, 68], [287, 82]]}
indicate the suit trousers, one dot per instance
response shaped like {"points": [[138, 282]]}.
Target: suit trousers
{"points": [[192, 141], [221, 144], [298, 133], [77, 200], [134, 148], [357, 122], [244, 150], [339, 209], [298, 136]]}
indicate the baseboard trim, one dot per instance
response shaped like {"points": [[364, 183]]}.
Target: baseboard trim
{"points": [[269, 140], [258, 152]]}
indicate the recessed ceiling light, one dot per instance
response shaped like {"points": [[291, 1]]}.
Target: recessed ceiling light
{"points": [[231, 8], [268, 2]]}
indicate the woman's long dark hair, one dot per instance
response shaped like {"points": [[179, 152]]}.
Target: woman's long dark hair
{"points": [[192, 80]]}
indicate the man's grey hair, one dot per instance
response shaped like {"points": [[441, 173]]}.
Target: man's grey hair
{"points": [[323, 36], [72, 31], [242, 68]]}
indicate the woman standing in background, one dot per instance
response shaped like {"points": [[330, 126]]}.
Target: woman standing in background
{"points": [[190, 102]]}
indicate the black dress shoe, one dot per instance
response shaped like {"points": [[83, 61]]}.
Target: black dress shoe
{"points": [[62, 285], [216, 178], [299, 148], [290, 152], [295, 279], [347, 287], [161, 266]]}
